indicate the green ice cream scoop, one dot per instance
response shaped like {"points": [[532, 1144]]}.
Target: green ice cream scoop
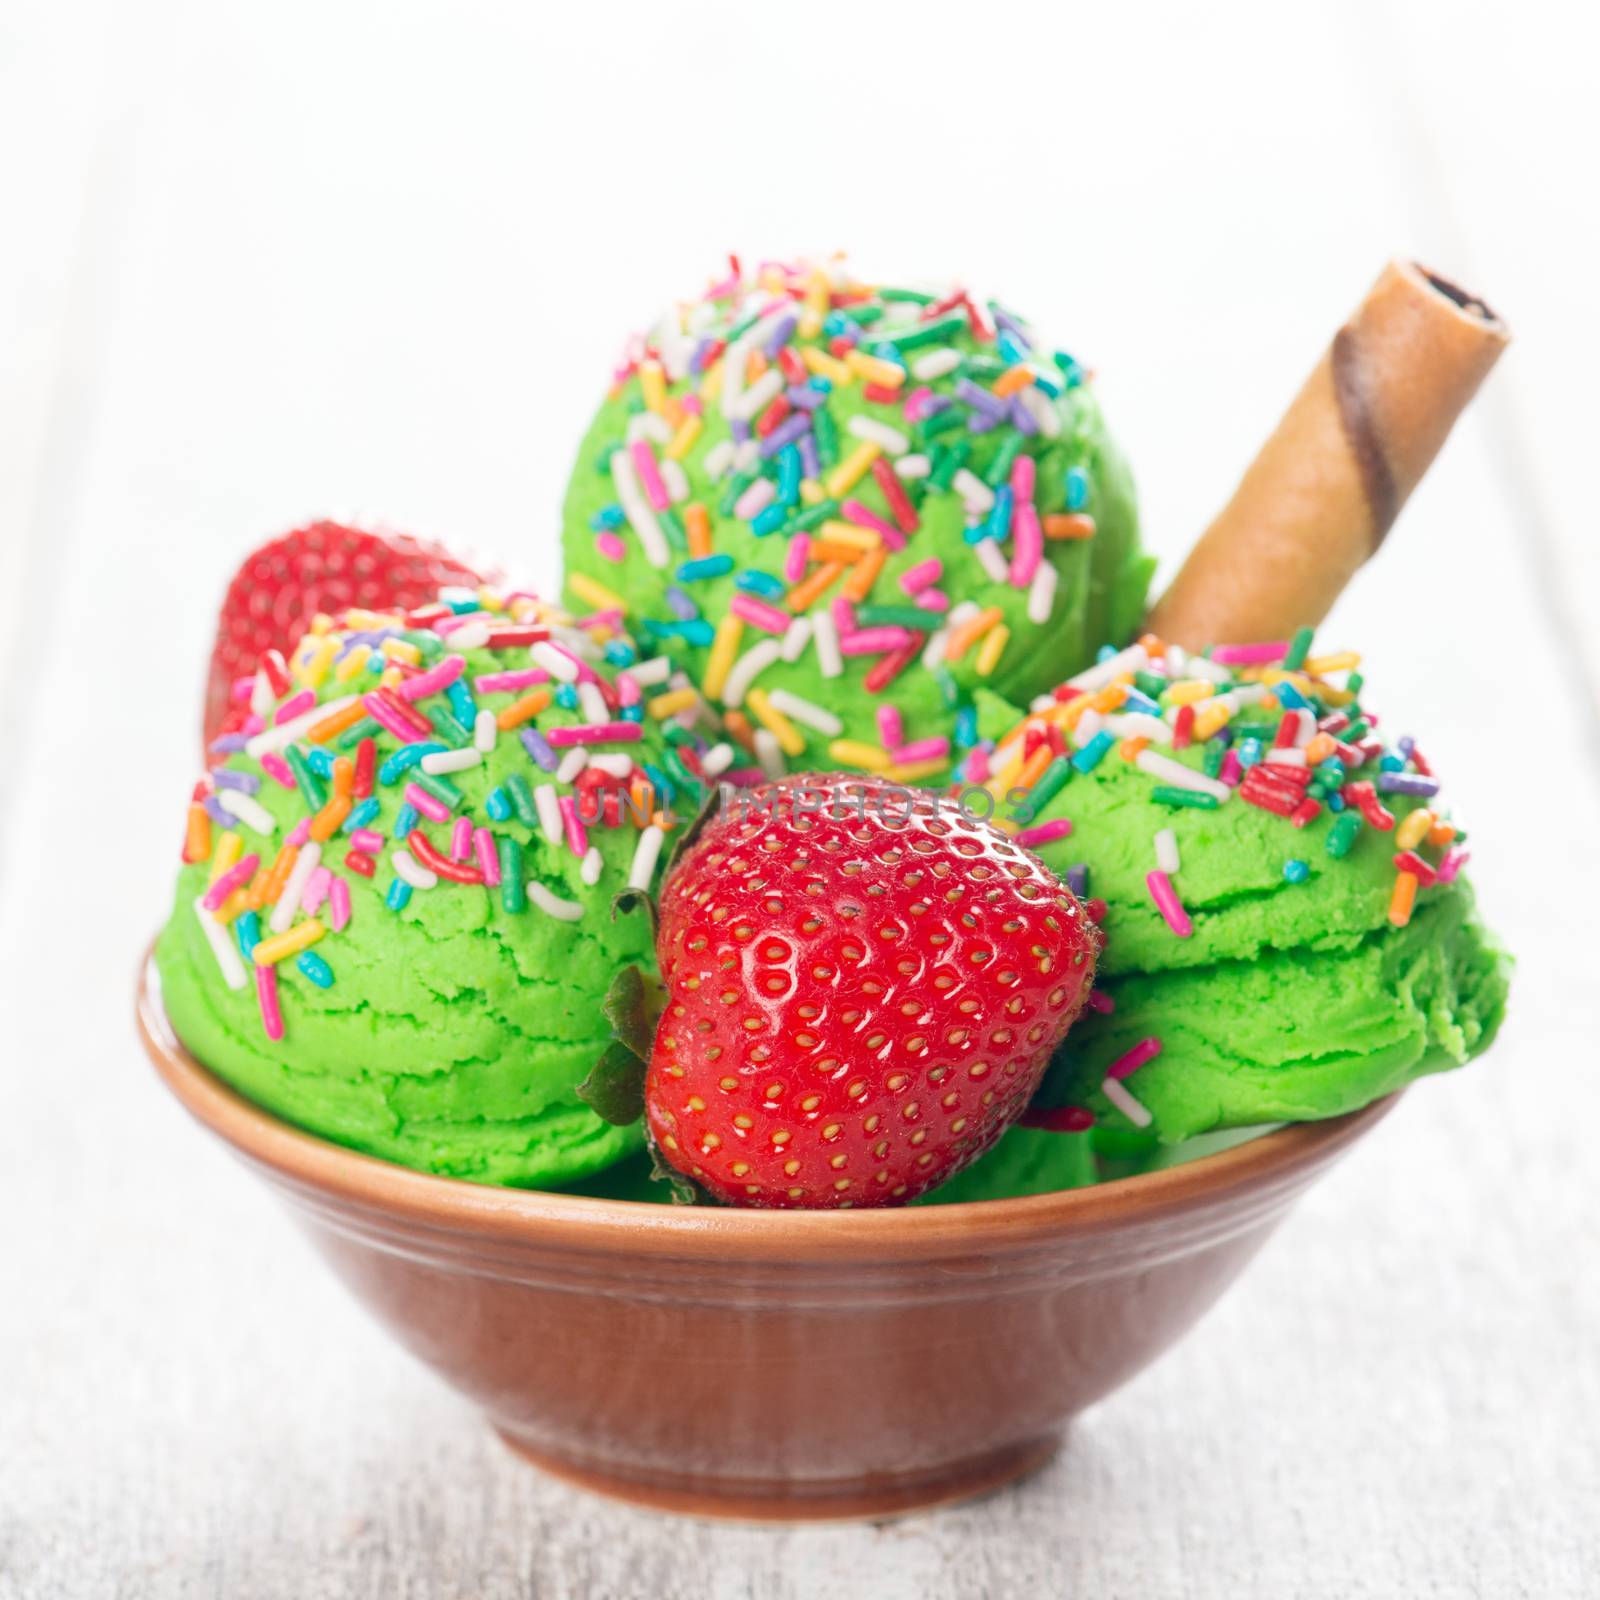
{"points": [[439, 1023], [1318, 947], [841, 507]]}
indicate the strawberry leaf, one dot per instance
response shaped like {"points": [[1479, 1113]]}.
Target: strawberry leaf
{"points": [[614, 1089], [626, 900], [633, 1007]]}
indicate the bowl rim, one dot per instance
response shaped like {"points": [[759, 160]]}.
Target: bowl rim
{"points": [[1285, 1157]]}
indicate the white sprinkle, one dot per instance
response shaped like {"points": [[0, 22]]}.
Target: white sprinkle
{"points": [[1286, 755], [1177, 660], [458, 594], [247, 809], [576, 642], [1126, 1104], [563, 910], [993, 560], [719, 458], [1038, 405], [307, 862], [410, 870], [769, 753], [913, 466], [438, 762], [572, 763], [472, 635], [649, 673], [830, 663], [262, 699], [613, 766], [645, 854], [647, 425], [1139, 725], [1167, 770], [549, 809], [935, 364], [222, 946], [676, 480], [747, 668], [1167, 859], [1134, 659], [561, 667], [485, 732], [593, 703], [717, 760], [747, 456], [1088, 726], [1042, 594], [637, 510], [975, 493], [759, 395], [880, 433], [806, 711], [1305, 726], [755, 499], [933, 651], [287, 732], [593, 865], [1043, 702], [797, 638]]}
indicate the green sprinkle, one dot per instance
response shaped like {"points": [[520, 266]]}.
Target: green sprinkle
{"points": [[353, 735], [1000, 468], [811, 518], [827, 435], [1147, 683], [1168, 794], [981, 366], [921, 333], [449, 730], [1216, 753], [1051, 781], [737, 485], [943, 422], [513, 891], [441, 789], [949, 689], [869, 616], [1343, 833], [914, 297], [309, 783], [668, 518], [1299, 649], [865, 316], [1356, 732], [1353, 682], [602, 462], [949, 464], [521, 797]]}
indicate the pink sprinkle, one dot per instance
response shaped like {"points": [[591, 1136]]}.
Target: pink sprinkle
{"points": [[863, 517], [577, 836], [433, 680], [933, 600], [338, 904], [389, 718], [242, 689], [277, 769], [914, 579], [610, 546], [368, 842], [594, 733], [916, 403], [254, 725], [496, 682], [434, 810], [760, 613], [1232, 772], [601, 619], [628, 691], [794, 561], [315, 891], [644, 461], [1022, 472], [300, 833], [488, 857], [1127, 1064], [744, 777], [891, 728], [874, 641], [922, 750], [452, 620], [844, 614], [1249, 655], [1100, 1001], [1167, 902], [236, 877], [978, 767], [267, 999], [294, 707], [586, 673], [1028, 536], [693, 405], [1043, 833], [755, 499], [461, 839], [1452, 863]]}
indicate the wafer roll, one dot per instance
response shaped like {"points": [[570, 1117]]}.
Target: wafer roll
{"points": [[1320, 497]]}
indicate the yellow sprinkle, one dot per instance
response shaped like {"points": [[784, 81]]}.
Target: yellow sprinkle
{"points": [[787, 735], [992, 648], [321, 623], [488, 600], [1345, 660], [848, 533], [825, 366], [390, 678], [852, 469], [226, 856], [594, 593], [855, 754], [402, 650], [1006, 778], [315, 659], [915, 771], [711, 383], [654, 383], [812, 492], [370, 619], [724, 647], [672, 702], [353, 663], [816, 305], [271, 951], [684, 437], [1212, 720], [1414, 829], [1187, 692], [236, 903], [875, 369]]}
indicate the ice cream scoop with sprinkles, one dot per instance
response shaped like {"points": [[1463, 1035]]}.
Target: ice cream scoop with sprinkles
{"points": [[393, 920], [827, 499], [1288, 933]]}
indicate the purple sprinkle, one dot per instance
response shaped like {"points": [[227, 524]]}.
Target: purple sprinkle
{"points": [[803, 397], [1018, 330], [1078, 880], [780, 336], [936, 402], [538, 747], [247, 781], [790, 431], [739, 428], [1407, 783], [979, 422], [216, 813], [1406, 745], [810, 461], [226, 744], [681, 606], [698, 360], [975, 395], [1022, 418]]}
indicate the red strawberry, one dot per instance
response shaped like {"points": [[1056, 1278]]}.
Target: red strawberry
{"points": [[325, 566], [863, 988]]}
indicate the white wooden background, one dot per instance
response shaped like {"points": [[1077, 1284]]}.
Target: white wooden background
{"points": [[262, 261]]}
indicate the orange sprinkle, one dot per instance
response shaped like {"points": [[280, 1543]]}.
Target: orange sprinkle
{"points": [[814, 586], [1441, 833], [330, 818], [1012, 381], [859, 584], [523, 709], [1129, 748], [755, 366], [643, 796], [739, 730], [697, 524], [344, 774], [1110, 697], [1069, 525], [963, 638], [330, 727], [1403, 898], [1033, 767], [272, 884], [197, 834], [1153, 645], [828, 550]]}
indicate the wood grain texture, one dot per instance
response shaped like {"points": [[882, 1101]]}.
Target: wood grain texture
{"points": [[331, 281]]}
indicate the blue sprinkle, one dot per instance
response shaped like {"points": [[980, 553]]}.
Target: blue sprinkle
{"points": [[977, 532], [1249, 752], [247, 930], [821, 384], [789, 476], [1012, 349], [1000, 515], [1048, 384], [698, 633], [760, 583], [320, 761], [361, 815], [1291, 699], [1296, 871], [681, 606], [1134, 701], [498, 806], [887, 352], [539, 751], [406, 818], [1392, 764], [460, 601], [405, 758], [767, 520], [966, 727], [1077, 488], [717, 566], [315, 968], [1105, 652], [567, 696], [620, 653], [1093, 753], [399, 895], [664, 785], [838, 326], [634, 713], [1335, 802], [462, 703], [608, 519]]}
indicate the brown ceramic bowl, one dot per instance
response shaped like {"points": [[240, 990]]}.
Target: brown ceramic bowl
{"points": [[767, 1364]]}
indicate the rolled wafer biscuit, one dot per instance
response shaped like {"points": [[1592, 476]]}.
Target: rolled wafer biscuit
{"points": [[1319, 498]]}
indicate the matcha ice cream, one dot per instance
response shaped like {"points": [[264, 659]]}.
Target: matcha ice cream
{"points": [[843, 507]]}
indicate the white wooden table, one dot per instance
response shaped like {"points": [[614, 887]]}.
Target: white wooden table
{"points": [[265, 261]]}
